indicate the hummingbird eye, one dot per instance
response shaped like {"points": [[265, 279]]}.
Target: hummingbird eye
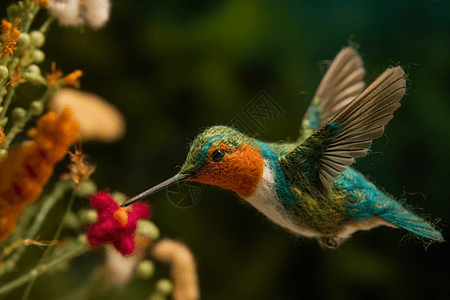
{"points": [[218, 155]]}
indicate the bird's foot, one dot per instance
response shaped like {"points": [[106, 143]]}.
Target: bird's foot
{"points": [[329, 242]]}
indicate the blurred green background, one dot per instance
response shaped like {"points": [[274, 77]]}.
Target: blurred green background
{"points": [[174, 67]]}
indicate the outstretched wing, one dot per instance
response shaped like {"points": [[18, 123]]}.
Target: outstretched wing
{"points": [[341, 84], [326, 153]]}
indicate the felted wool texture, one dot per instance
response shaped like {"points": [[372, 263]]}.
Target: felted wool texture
{"points": [[240, 169], [27, 169], [286, 190], [303, 211], [270, 152], [209, 138], [324, 215], [266, 201], [370, 201], [109, 229]]}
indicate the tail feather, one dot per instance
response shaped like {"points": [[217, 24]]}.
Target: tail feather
{"points": [[376, 203], [383, 206], [405, 219]]}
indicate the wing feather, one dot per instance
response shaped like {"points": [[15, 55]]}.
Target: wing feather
{"points": [[341, 84], [349, 134]]}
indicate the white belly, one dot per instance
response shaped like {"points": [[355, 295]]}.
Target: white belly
{"points": [[267, 202]]}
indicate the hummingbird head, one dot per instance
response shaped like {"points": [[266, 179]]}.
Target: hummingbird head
{"points": [[219, 156], [224, 157]]}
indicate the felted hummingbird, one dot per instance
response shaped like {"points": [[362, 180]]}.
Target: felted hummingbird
{"points": [[308, 187]]}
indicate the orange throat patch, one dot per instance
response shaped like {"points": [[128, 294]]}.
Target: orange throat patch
{"points": [[240, 170]]}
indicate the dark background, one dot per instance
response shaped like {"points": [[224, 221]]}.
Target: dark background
{"points": [[174, 67]]}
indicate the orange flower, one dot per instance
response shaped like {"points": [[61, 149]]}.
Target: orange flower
{"points": [[71, 79], [54, 76], [2, 136], [41, 3], [24, 172], [16, 77], [80, 168], [9, 37]]}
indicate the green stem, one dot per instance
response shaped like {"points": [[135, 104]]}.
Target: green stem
{"points": [[41, 269], [55, 237], [2, 86], [8, 99], [29, 18], [57, 194], [61, 224], [47, 23]]}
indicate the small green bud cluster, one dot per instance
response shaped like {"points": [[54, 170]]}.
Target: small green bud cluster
{"points": [[37, 39], [36, 108], [33, 74], [38, 56], [3, 122], [163, 288], [87, 216], [119, 197], [149, 229], [18, 114], [3, 154], [86, 189], [14, 11], [145, 269], [71, 221], [30, 43], [4, 73]]}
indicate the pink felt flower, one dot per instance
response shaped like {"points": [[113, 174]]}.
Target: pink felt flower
{"points": [[115, 224]]}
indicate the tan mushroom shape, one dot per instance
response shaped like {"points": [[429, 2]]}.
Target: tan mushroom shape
{"points": [[99, 120]]}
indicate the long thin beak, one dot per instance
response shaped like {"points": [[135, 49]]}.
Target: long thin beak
{"points": [[171, 181]]}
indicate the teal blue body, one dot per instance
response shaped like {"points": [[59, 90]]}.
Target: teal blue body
{"points": [[364, 199], [376, 203]]}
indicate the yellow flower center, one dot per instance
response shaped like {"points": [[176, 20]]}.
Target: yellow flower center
{"points": [[121, 215]]}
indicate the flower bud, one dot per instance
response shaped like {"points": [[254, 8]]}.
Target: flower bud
{"points": [[71, 221], [12, 65], [18, 114], [119, 197], [87, 188], [149, 229], [157, 297], [82, 238], [37, 38], [87, 216], [38, 56], [23, 40], [34, 78], [164, 286], [13, 11], [145, 269], [25, 61], [3, 154], [36, 108], [3, 73], [34, 69], [3, 121]]}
